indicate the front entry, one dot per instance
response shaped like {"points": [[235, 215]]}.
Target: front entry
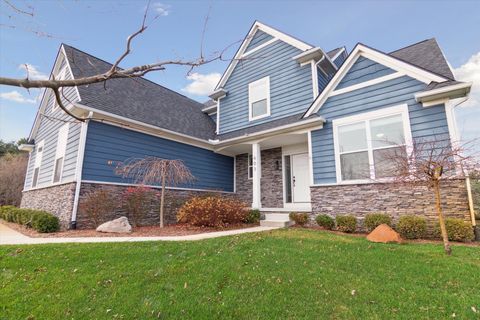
{"points": [[297, 177]]}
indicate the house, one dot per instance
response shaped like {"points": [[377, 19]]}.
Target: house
{"points": [[290, 127]]}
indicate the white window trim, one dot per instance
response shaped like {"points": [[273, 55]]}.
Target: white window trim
{"points": [[367, 117], [60, 152], [250, 102], [37, 163]]}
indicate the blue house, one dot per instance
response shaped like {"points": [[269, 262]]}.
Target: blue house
{"points": [[290, 127]]}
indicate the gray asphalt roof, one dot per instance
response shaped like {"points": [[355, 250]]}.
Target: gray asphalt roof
{"points": [[139, 99]]}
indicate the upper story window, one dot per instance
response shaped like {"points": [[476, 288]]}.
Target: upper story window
{"points": [[60, 153], [259, 99], [366, 145], [38, 162]]}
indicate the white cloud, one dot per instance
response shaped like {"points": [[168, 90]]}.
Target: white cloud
{"points": [[161, 9], [32, 72], [470, 72], [16, 96], [202, 84]]}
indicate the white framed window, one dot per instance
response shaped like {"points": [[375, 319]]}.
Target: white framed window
{"points": [[60, 153], [259, 99], [250, 166], [365, 143], [38, 162], [61, 75]]}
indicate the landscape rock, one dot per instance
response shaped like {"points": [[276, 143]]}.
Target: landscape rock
{"points": [[120, 225], [383, 233]]}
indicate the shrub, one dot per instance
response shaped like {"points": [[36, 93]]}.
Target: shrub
{"points": [[137, 201], [412, 227], [212, 211], [457, 230], [97, 204], [373, 220], [253, 216], [45, 222], [4, 210], [325, 221], [300, 218], [41, 221], [346, 223]]}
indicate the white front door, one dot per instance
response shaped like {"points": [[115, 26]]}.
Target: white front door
{"points": [[300, 178]]}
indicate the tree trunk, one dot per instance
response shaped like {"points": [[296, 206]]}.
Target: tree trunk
{"points": [[162, 198], [441, 220]]}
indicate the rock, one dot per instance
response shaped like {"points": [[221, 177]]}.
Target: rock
{"points": [[383, 233], [120, 225]]}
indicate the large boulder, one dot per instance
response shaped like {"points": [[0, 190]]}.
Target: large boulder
{"points": [[120, 225], [383, 233]]}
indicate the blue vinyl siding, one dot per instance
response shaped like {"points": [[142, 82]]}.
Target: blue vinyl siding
{"points": [[48, 129], [213, 116], [290, 86], [340, 59], [425, 123], [323, 80], [363, 70], [258, 38], [107, 145]]}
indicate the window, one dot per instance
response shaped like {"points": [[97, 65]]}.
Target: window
{"points": [[259, 99], [60, 153], [365, 144], [250, 166], [38, 163]]}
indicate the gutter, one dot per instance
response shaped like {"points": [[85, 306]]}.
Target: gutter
{"points": [[450, 92]]}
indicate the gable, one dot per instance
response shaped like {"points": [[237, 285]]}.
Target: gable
{"points": [[363, 70], [258, 39]]}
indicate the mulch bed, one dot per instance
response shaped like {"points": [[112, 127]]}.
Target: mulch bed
{"points": [[149, 231]]}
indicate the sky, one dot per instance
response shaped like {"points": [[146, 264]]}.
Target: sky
{"points": [[100, 28]]}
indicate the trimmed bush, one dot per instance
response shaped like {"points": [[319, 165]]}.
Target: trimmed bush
{"points": [[457, 230], [41, 221], [300, 218], [412, 227], [346, 223], [213, 211], [373, 220], [325, 221], [253, 216]]}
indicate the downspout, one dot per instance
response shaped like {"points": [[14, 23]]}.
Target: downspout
{"points": [[78, 174]]}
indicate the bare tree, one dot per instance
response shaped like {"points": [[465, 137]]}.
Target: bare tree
{"points": [[429, 162], [154, 171]]}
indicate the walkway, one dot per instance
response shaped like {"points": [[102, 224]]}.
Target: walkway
{"points": [[10, 236]]}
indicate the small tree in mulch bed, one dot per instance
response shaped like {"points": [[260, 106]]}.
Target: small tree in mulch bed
{"points": [[137, 201], [97, 204], [154, 171]]}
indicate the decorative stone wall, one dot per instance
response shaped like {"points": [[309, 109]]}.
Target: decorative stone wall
{"points": [[57, 200], [174, 199], [393, 199], [271, 180]]}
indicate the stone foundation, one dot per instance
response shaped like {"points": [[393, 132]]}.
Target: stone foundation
{"points": [[174, 199], [57, 200], [393, 199]]}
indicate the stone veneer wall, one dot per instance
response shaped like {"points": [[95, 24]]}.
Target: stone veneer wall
{"points": [[57, 200], [393, 199], [271, 180], [174, 199]]}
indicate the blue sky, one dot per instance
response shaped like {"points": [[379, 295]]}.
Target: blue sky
{"points": [[101, 27]]}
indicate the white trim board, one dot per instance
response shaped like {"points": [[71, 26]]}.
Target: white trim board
{"points": [[379, 57], [367, 83]]}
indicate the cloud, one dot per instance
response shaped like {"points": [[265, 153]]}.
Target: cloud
{"points": [[470, 72], [16, 96], [202, 84], [32, 72], [161, 9]]}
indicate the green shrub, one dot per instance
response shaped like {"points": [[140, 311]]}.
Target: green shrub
{"points": [[45, 222], [253, 216], [373, 220], [325, 221], [346, 223], [4, 210], [300, 218], [412, 227], [457, 230]]}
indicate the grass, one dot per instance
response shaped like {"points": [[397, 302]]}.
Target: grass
{"points": [[287, 274]]}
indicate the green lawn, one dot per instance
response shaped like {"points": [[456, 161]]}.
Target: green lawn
{"points": [[284, 274]]}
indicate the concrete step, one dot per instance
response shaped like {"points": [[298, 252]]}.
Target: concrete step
{"points": [[277, 217], [275, 223]]}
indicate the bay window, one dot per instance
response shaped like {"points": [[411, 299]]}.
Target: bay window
{"points": [[367, 144]]}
